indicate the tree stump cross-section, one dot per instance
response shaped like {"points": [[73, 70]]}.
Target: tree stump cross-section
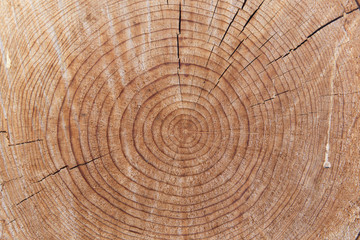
{"points": [[180, 119]]}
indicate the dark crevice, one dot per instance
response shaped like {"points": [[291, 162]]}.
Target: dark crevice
{"points": [[251, 16], [266, 100], [329, 95], [275, 60], [179, 17], [291, 50], [82, 164], [217, 83], [256, 104], [22, 143], [272, 98], [286, 54], [326, 24], [220, 78], [177, 37], [330, 22], [3, 131], [357, 3], [207, 62], [11, 221], [281, 93], [236, 49], [309, 36], [249, 63], [51, 174], [178, 49], [27, 198], [70, 168], [242, 7], [357, 236], [212, 17], [266, 41], [298, 45], [232, 20], [224, 71]]}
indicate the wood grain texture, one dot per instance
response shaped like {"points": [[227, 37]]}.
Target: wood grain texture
{"points": [[180, 119]]}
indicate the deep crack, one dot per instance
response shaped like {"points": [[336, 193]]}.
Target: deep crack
{"points": [[309, 36]]}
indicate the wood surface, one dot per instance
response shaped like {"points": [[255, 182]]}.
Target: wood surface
{"points": [[179, 119]]}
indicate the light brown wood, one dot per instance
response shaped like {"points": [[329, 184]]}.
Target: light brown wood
{"points": [[180, 119]]}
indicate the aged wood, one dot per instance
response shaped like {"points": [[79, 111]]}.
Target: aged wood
{"points": [[180, 119]]}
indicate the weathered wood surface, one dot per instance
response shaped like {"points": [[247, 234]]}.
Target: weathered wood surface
{"points": [[180, 119]]}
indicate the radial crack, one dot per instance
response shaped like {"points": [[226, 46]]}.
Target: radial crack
{"points": [[51, 174], [232, 20], [22, 143], [242, 7], [11, 221], [220, 78], [236, 49], [249, 63], [70, 168], [179, 61], [92, 160], [266, 100], [251, 16], [309, 36], [281, 93], [28, 197], [179, 17], [266, 41], [270, 99], [82, 164], [178, 50], [207, 62], [212, 17]]}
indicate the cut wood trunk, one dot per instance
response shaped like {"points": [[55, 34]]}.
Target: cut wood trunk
{"points": [[180, 119]]}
